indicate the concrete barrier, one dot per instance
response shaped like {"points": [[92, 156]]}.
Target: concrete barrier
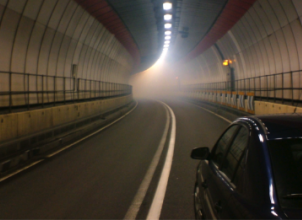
{"points": [[16, 125], [247, 105], [262, 108], [8, 127], [63, 114], [33, 121]]}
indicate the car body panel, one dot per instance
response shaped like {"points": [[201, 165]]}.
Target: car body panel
{"points": [[259, 197]]}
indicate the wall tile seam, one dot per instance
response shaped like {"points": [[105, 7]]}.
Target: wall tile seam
{"points": [[269, 35], [70, 38], [248, 48]]}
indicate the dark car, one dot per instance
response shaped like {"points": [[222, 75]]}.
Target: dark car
{"points": [[253, 171]]}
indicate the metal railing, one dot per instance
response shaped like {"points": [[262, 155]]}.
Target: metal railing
{"points": [[282, 87], [28, 90]]}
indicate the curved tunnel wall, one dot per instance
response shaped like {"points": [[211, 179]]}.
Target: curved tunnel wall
{"points": [[267, 40], [48, 37]]}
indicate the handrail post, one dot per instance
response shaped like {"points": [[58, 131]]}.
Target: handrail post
{"points": [[292, 85], [64, 89], [267, 95], [282, 74], [28, 92], [254, 86], [10, 92], [78, 89], [54, 91], [274, 88], [99, 89], [90, 88], [85, 89], [42, 91], [260, 87]]}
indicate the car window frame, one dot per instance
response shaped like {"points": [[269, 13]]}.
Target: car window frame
{"points": [[229, 148], [242, 157], [228, 144]]}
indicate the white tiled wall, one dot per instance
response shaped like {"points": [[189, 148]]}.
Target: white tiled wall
{"points": [[46, 37], [265, 41]]}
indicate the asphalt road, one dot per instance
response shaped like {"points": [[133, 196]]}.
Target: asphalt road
{"points": [[99, 177]]}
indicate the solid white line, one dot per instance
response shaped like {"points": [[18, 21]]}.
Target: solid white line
{"points": [[84, 138], [18, 171], [157, 203], [143, 188], [212, 113], [50, 155]]}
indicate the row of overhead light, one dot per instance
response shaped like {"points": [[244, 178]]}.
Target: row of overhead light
{"points": [[168, 24]]}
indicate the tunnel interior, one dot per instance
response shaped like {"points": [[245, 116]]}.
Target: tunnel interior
{"points": [[70, 69]]}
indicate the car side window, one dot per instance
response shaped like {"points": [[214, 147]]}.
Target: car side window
{"points": [[235, 153], [222, 144], [238, 178]]}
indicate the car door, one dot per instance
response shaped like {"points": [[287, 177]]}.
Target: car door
{"points": [[221, 170], [230, 171], [209, 170]]}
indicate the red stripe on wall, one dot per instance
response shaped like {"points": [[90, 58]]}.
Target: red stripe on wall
{"points": [[231, 14], [107, 16]]}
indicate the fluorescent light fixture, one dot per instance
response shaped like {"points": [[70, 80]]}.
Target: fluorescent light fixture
{"points": [[167, 17], [167, 37], [167, 42], [166, 46], [167, 6], [168, 32], [168, 25]]}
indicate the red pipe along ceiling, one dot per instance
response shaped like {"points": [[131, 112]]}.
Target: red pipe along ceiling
{"points": [[107, 16], [232, 13]]}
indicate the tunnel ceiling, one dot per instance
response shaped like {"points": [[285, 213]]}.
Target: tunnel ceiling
{"points": [[196, 18], [139, 25], [144, 20]]}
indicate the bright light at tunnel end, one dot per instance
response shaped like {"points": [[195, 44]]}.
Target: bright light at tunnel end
{"points": [[161, 58], [163, 55]]}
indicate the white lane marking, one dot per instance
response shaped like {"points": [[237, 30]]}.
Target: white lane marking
{"points": [[144, 186], [157, 203], [18, 171], [50, 155], [212, 113], [84, 138]]}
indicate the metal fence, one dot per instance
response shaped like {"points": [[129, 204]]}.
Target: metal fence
{"points": [[282, 87], [27, 90]]}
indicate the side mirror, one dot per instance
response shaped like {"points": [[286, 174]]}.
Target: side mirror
{"points": [[200, 153]]}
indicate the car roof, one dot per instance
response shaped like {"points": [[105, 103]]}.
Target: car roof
{"points": [[281, 126]]}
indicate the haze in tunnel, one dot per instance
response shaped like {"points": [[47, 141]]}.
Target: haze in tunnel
{"points": [[159, 81]]}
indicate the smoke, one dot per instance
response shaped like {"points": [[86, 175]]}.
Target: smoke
{"points": [[159, 81]]}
